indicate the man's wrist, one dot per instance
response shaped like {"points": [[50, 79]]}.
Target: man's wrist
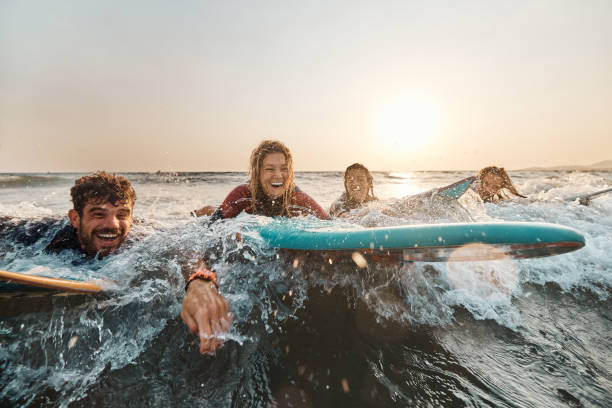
{"points": [[203, 274]]}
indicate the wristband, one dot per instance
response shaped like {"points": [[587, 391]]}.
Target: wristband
{"points": [[204, 274]]}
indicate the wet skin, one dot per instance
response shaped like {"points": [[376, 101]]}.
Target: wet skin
{"points": [[274, 174], [206, 313], [357, 185], [490, 185], [103, 226]]}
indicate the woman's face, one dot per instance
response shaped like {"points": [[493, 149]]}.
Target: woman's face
{"points": [[491, 184], [357, 185], [274, 174]]}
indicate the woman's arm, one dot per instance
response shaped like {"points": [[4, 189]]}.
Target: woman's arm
{"points": [[304, 200]]}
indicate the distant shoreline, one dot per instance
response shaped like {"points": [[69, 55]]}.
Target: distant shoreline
{"points": [[599, 166], [556, 168], [602, 165]]}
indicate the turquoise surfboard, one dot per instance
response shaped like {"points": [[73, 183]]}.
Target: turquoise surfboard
{"points": [[455, 190], [427, 243]]}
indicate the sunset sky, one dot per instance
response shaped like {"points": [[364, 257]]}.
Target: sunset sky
{"points": [[396, 85]]}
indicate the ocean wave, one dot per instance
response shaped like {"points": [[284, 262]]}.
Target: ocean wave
{"points": [[187, 177], [384, 335], [23, 180], [24, 209]]}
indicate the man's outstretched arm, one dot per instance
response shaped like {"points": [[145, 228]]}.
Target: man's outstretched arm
{"points": [[205, 311]]}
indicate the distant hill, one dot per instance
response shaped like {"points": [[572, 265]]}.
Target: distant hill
{"points": [[602, 165]]}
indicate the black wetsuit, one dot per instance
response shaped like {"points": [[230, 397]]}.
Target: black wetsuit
{"points": [[28, 238], [66, 238], [26, 233]]}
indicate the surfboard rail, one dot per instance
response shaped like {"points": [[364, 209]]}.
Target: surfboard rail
{"points": [[430, 242], [64, 285]]}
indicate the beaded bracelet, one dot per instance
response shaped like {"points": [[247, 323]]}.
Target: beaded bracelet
{"points": [[204, 274]]}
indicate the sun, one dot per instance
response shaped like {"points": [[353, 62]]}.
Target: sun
{"points": [[406, 123]]}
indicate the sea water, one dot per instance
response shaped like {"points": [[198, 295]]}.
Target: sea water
{"points": [[516, 333]]}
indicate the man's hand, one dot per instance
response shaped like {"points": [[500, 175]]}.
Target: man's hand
{"points": [[206, 313]]}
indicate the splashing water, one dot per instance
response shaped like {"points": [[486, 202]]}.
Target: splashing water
{"points": [[505, 333]]}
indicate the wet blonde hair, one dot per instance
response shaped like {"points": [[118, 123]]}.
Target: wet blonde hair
{"points": [[506, 183], [257, 157]]}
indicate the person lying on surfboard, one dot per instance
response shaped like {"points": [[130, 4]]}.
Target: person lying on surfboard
{"points": [[358, 190], [491, 184], [100, 221], [270, 190]]}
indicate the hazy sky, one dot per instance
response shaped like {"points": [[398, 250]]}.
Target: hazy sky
{"points": [[397, 85]]}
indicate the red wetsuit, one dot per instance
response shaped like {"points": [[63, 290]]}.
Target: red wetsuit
{"points": [[240, 200]]}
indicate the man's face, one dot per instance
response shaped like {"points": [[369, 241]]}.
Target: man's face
{"points": [[103, 226]]}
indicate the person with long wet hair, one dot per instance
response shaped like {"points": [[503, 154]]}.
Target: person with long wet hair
{"points": [[271, 190], [358, 190], [491, 184]]}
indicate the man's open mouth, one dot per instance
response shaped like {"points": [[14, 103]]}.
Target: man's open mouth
{"points": [[107, 236], [276, 185]]}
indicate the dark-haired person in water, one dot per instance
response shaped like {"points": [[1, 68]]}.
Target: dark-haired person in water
{"points": [[100, 222], [101, 216], [358, 190]]}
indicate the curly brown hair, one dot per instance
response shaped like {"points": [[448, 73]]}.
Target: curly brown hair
{"points": [[101, 187], [257, 157]]}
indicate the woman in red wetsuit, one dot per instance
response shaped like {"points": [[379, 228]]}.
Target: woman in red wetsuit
{"points": [[270, 190]]}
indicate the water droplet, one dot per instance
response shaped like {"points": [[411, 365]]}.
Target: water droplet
{"points": [[73, 341], [359, 260]]}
